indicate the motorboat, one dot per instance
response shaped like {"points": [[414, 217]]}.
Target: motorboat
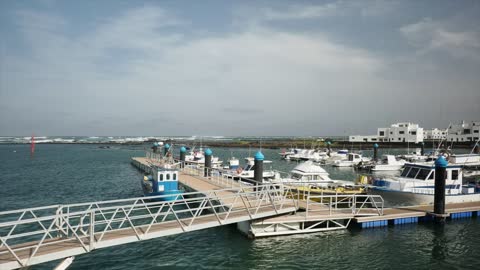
{"points": [[387, 163], [247, 172], [416, 186], [310, 178], [198, 158], [353, 159]]}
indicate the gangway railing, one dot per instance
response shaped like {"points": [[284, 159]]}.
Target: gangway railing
{"points": [[35, 235], [356, 204]]}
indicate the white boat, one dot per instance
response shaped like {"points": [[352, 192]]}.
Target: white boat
{"points": [[233, 164], [249, 169], [310, 178], [389, 163], [416, 186], [331, 157], [353, 159], [198, 158], [286, 153]]}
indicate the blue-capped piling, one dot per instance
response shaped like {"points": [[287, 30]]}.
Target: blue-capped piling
{"points": [[208, 162], [166, 148], [155, 147], [183, 152], [375, 152], [439, 197], [329, 149], [258, 170]]}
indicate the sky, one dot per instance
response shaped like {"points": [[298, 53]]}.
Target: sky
{"points": [[236, 68]]}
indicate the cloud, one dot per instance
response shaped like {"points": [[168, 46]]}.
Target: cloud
{"points": [[429, 36], [147, 71]]}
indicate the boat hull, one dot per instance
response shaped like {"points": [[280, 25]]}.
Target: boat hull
{"points": [[170, 195], [399, 198]]}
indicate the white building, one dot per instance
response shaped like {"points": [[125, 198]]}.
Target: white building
{"points": [[399, 132], [464, 132], [434, 134]]}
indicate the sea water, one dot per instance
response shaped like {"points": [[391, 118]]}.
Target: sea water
{"points": [[59, 174]]}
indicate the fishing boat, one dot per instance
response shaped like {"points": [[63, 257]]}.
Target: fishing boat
{"points": [[416, 186], [161, 181]]}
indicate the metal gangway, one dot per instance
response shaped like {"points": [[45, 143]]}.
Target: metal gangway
{"points": [[36, 235]]}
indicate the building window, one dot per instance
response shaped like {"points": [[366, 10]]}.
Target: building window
{"points": [[466, 131], [399, 139], [382, 133], [413, 132], [475, 131], [401, 132], [391, 132]]}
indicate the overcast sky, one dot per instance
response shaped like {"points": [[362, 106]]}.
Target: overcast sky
{"points": [[236, 67]]}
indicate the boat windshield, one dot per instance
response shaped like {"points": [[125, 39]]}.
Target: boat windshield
{"points": [[405, 171], [412, 173], [423, 174], [296, 176]]}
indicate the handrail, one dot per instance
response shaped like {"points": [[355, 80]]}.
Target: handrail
{"points": [[88, 224]]}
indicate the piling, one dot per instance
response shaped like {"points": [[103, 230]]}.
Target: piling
{"points": [[183, 152], [166, 147], [155, 147], [258, 170], [422, 148], [208, 162], [439, 197], [375, 152]]}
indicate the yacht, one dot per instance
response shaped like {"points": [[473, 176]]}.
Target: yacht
{"points": [[416, 186], [311, 178]]}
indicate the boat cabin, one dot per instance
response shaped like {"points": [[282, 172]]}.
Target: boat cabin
{"points": [[427, 172], [354, 157], [163, 180], [309, 172]]}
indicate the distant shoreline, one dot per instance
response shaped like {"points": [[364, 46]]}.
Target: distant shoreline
{"points": [[271, 144]]}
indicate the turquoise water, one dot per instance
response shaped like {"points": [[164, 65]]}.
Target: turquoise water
{"points": [[79, 173]]}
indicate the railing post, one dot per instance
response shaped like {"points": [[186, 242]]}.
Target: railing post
{"points": [[92, 230], [58, 222]]}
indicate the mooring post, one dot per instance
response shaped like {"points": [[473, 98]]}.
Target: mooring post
{"points": [[422, 148], [155, 147], [258, 171], [439, 197], [208, 162], [166, 147], [375, 152], [329, 148], [183, 152]]}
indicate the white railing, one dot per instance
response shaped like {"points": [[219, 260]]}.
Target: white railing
{"points": [[356, 204], [27, 232]]}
